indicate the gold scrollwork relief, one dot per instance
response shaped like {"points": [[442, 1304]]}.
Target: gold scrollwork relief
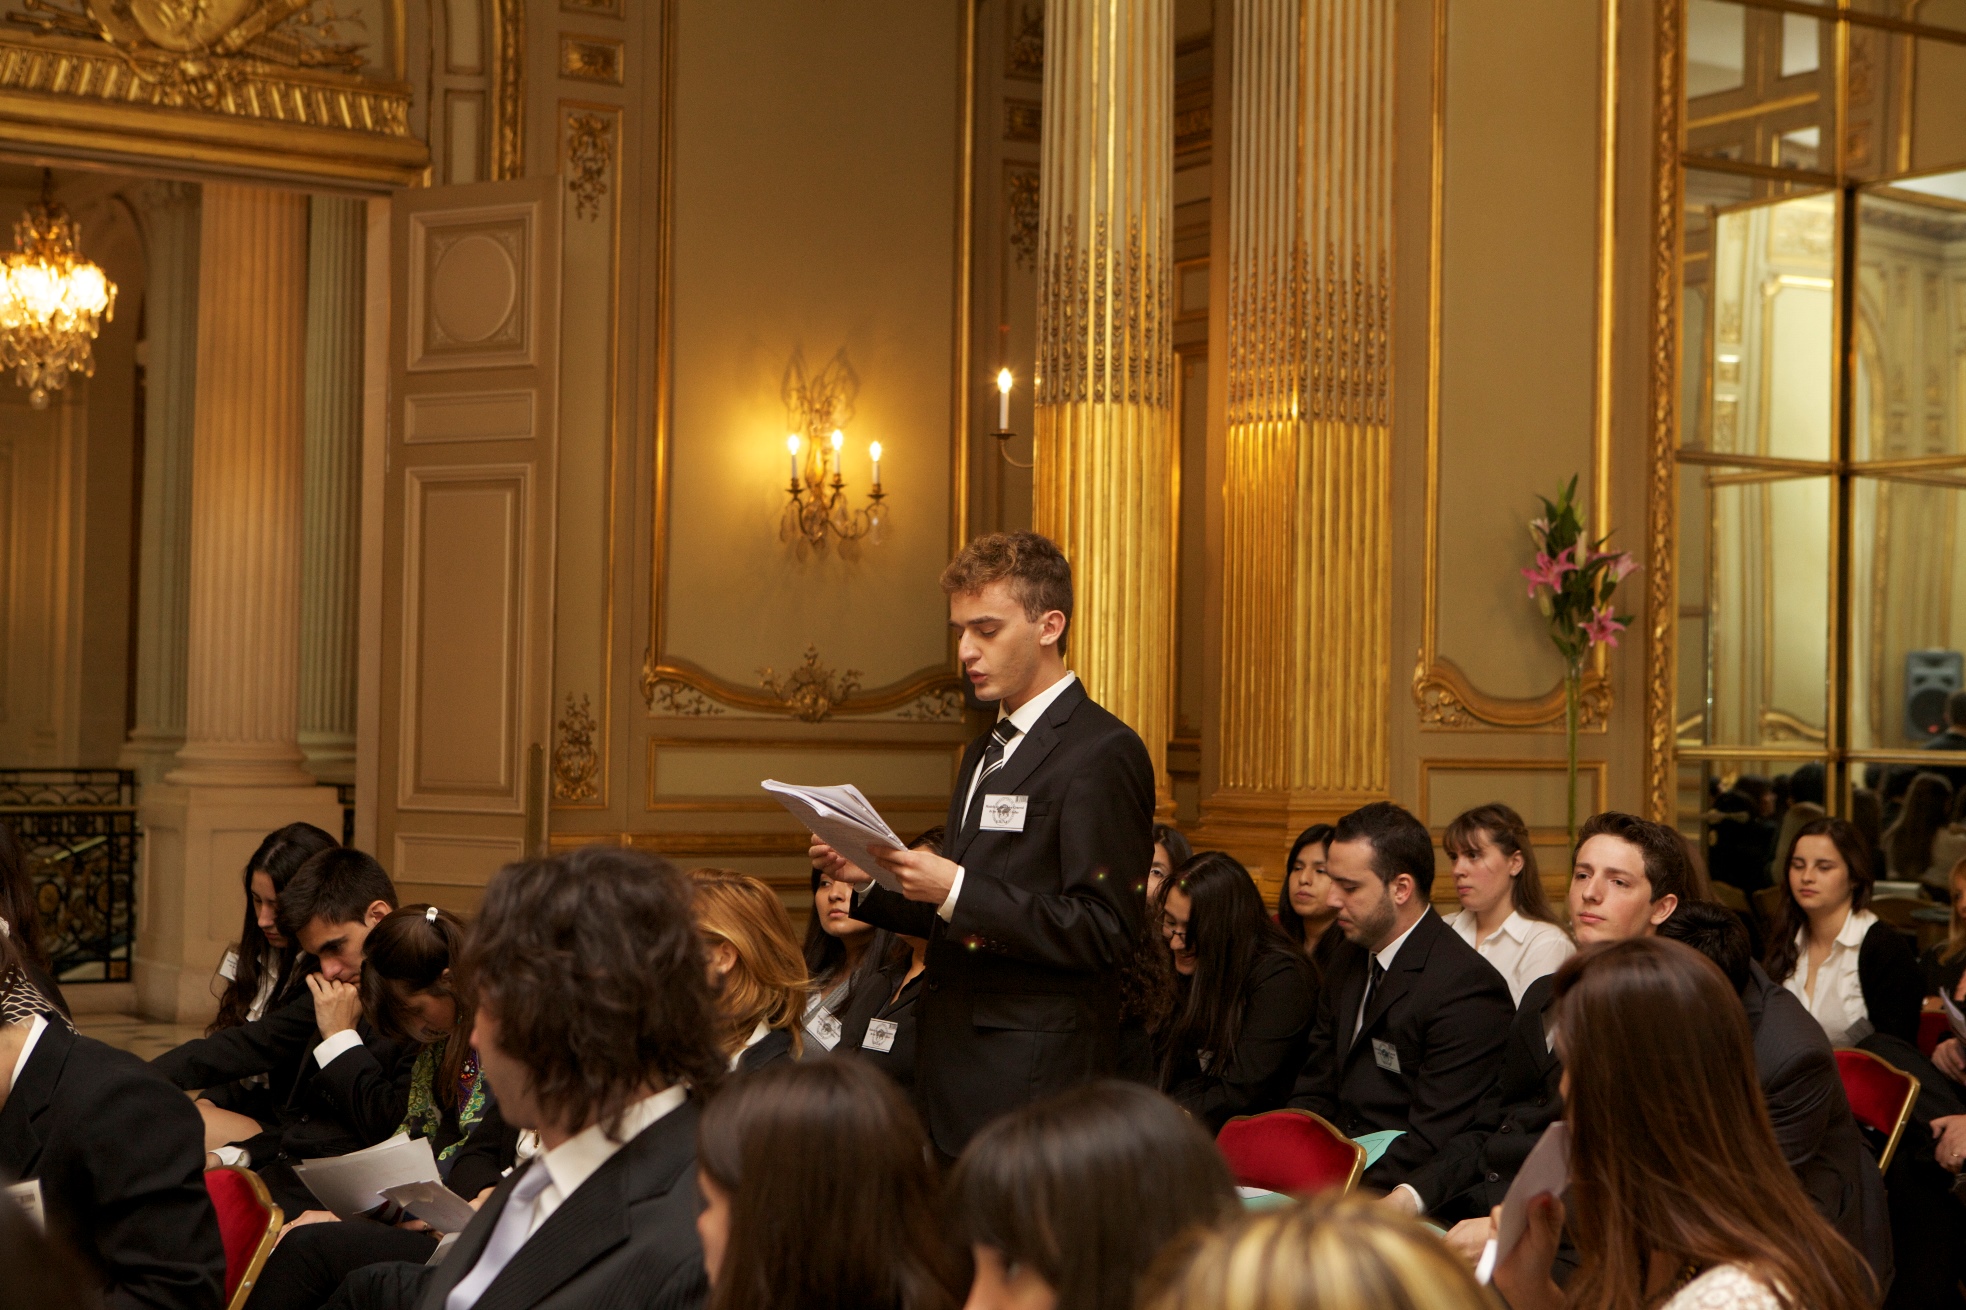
{"points": [[1447, 700], [939, 705], [590, 159], [1023, 120], [1021, 215], [1024, 57], [811, 690], [1662, 482], [509, 90], [576, 762], [680, 699], [1102, 323], [1340, 366], [591, 60]]}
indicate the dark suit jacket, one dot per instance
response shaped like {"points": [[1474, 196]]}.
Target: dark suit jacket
{"points": [[120, 1156], [773, 1047], [1280, 1000], [898, 1060], [1021, 991], [1894, 989], [626, 1237], [1446, 1014]]}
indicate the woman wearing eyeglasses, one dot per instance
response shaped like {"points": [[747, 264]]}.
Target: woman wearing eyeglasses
{"points": [[1245, 995]]}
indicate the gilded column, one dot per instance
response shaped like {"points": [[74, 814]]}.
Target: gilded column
{"points": [[331, 485], [169, 212], [243, 686], [1306, 639], [1104, 387]]}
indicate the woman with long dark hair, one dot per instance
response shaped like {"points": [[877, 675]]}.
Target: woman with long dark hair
{"points": [[1067, 1202], [1855, 973], [1171, 851], [1302, 911], [1908, 841], [1679, 1196], [879, 1025], [1244, 995], [818, 1191], [843, 956], [259, 967], [1505, 914]]}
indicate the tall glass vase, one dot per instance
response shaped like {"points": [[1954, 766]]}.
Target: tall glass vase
{"points": [[1573, 689]]}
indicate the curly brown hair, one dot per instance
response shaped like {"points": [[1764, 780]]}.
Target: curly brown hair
{"points": [[1039, 574], [591, 964]]}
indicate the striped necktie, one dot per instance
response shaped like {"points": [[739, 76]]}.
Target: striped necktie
{"points": [[1000, 738]]}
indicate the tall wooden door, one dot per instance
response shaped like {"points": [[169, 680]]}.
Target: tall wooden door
{"points": [[468, 531]]}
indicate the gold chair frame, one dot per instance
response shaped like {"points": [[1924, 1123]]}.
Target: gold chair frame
{"points": [[1358, 1152], [276, 1220], [1904, 1111]]}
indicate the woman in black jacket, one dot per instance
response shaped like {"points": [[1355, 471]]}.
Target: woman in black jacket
{"points": [[1245, 995], [1855, 973]]}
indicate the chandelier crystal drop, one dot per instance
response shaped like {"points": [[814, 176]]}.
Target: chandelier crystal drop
{"points": [[52, 301]]}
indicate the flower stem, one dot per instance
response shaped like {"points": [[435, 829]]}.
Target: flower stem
{"points": [[1572, 691]]}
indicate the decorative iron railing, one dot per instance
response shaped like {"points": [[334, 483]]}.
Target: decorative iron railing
{"points": [[78, 828]]}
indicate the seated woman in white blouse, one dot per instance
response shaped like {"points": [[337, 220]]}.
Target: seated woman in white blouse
{"points": [[1504, 913], [1855, 973]]}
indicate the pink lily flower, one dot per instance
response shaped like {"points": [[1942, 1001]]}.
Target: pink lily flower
{"points": [[1603, 627], [1621, 565], [1549, 572]]}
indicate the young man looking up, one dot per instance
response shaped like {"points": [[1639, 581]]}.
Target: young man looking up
{"points": [[1410, 1019], [597, 1029], [1050, 829], [1628, 877]]}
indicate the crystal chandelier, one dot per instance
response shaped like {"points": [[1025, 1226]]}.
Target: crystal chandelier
{"points": [[52, 301]]}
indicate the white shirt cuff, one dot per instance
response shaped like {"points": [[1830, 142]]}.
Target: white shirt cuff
{"points": [[345, 1040], [1419, 1206], [947, 910], [235, 1156]]}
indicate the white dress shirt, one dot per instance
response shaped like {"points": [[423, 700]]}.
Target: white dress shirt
{"points": [[35, 1027], [567, 1166], [1838, 1003], [1522, 949], [1026, 717], [758, 1034]]}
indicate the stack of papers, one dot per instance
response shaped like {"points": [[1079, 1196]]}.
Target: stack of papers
{"points": [[435, 1204], [1546, 1170], [1954, 1018], [353, 1184], [842, 818]]}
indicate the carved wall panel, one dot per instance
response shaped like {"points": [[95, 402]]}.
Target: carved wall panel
{"points": [[471, 290]]}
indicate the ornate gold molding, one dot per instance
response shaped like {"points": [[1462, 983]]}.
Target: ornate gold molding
{"points": [[508, 145], [1443, 695], [678, 687], [589, 160], [1662, 483], [591, 59], [810, 690], [576, 763], [1103, 317]]}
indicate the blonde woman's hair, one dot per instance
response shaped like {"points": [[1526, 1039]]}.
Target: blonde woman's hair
{"points": [[1330, 1253], [768, 984]]}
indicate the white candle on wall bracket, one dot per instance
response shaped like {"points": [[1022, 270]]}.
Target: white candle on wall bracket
{"points": [[874, 453], [1003, 400], [792, 454], [839, 440]]}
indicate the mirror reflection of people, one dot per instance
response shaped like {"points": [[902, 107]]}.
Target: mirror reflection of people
{"points": [[1679, 1197]]}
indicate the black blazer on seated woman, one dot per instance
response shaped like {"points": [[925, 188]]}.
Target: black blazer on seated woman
{"points": [[893, 1050], [120, 1156], [774, 1046], [1280, 1000]]}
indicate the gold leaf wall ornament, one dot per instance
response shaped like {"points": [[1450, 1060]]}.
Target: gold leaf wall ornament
{"points": [[810, 692], [1661, 787], [1118, 350], [1446, 699], [1025, 56], [590, 158], [1021, 215], [941, 705], [680, 699], [591, 60], [576, 763], [508, 90]]}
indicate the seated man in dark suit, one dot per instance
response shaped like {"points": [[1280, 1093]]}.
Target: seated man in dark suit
{"points": [[1796, 1067], [1410, 1020], [345, 1087], [113, 1152], [1628, 877], [597, 1029]]}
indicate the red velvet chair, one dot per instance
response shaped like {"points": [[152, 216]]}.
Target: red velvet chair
{"points": [[248, 1224], [1291, 1151], [1932, 1029], [1881, 1096]]}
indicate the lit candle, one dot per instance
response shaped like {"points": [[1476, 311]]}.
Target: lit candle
{"points": [[839, 439], [874, 450], [1003, 400], [792, 454]]}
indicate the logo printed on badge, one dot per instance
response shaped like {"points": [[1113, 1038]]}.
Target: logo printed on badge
{"points": [[1004, 813], [826, 1028], [1385, 1055], [880, 1035]]}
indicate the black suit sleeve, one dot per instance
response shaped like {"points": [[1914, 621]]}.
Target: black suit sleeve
{"points": [[1274, 1020], [894, 912], [1317, 1084], [151, 1219], [1802, 1097], [1887, 968], [277, 1037], [1458, 1166], [1464, 1039], [370, 1096], [1106, 838], [487, 1153]]}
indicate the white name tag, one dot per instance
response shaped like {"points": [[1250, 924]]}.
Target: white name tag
{"points": [[1385, 1055], [1004, 813], [825, 1028], [228, 968], [27, 1196], [880, 1035]]}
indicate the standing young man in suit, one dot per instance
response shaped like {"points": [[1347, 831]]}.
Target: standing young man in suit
{"points": [[1050, 836], [1411, 1020]]}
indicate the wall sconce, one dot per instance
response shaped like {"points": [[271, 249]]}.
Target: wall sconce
{"points": [[818, 408], [1003, 434]]}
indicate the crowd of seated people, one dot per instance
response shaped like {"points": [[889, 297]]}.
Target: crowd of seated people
{"points": [[647, 1091]]}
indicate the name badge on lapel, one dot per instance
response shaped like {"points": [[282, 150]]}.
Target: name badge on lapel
{"points": [[1004, 813], [27, 1196], [1385, 1055], [825, 1027], [880, 1035]]}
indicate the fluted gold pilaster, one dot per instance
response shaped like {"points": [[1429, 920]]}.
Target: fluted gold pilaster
{"points": [[1105, 368], [242, 687], [1306, 667], [169, 214], [331, 484]]}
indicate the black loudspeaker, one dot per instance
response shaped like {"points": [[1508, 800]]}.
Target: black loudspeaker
{"points": [[1931, 676]]}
